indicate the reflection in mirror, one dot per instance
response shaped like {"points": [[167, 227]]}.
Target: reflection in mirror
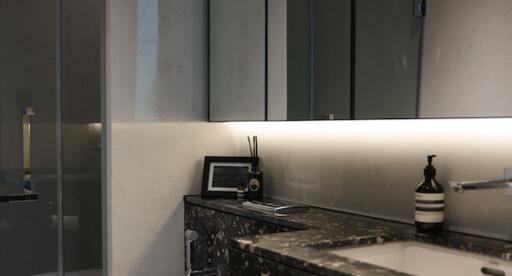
{"points": [[309, 41], [467, 59], [360, 59], [344, 59], [387, 59], [237, 60]]}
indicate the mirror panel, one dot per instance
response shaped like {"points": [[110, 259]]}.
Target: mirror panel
{"points": [[277, 96], [467, 59], [298, 60], [387, 59], [309, 59], [237, 60], [360, 59], [331, 59]]}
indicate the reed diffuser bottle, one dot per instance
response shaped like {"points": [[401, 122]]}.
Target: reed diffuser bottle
{"points": [[255, 183]]}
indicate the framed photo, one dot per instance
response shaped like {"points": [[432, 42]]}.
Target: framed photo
{"points": [[223, 175]]}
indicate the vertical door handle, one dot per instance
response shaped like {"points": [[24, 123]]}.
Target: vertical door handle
{"points": [[27, 112]]}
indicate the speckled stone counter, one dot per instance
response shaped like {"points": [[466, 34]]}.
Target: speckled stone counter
{"points": [[308, 236]]}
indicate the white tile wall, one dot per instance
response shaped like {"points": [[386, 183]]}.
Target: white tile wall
{"points": [[157, 108], [153, 165]]}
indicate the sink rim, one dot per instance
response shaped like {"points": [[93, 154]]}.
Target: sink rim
{"points": [[492, 260]]}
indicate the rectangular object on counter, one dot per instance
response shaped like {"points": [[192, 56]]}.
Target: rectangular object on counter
{"points": [[222, 175], [273, 208]]}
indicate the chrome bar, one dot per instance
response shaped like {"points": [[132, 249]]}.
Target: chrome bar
{"points": [[461, 186], [27, 112], [506, 183]]}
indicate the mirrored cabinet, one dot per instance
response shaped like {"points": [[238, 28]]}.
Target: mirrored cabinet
{"points": [[284, 60], [237, 60]]}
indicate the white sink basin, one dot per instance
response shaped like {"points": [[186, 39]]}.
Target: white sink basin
{"points": [[423, 259]]}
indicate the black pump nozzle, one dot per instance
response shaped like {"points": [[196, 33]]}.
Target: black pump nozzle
{"points": [[430, 157], [430, 171]]}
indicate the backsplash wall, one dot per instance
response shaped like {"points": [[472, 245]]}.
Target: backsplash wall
{"points": [[373, 167]]}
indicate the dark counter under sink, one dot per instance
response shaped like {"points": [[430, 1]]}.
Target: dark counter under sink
{"points": [[300, 243]]}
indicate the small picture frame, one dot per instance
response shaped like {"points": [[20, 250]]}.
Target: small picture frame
{"points": [[223, 175]]}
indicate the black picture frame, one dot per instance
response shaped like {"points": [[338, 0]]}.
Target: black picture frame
{"points": [[222, 174]]}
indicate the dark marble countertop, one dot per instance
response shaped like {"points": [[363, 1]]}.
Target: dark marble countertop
{"points": [[320, 230]]}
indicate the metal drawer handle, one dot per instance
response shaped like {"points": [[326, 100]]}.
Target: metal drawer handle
{"points": [[190, 236], [492, 271]]}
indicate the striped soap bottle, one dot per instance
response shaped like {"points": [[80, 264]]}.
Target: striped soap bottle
{"points": [[429, 207]]}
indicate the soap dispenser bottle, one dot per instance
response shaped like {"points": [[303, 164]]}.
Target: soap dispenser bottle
{"points": [[429, 208]]}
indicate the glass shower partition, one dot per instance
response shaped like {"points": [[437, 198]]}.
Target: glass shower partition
{"points": [[50, 137]]}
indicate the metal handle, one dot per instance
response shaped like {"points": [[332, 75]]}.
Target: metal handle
{"points": [[190, 236], [479, 185], [506, 182], [492, 271], [27, 112]]}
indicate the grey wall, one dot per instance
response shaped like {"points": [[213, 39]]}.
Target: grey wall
{"points": [[158, 135], [373, 167]]}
